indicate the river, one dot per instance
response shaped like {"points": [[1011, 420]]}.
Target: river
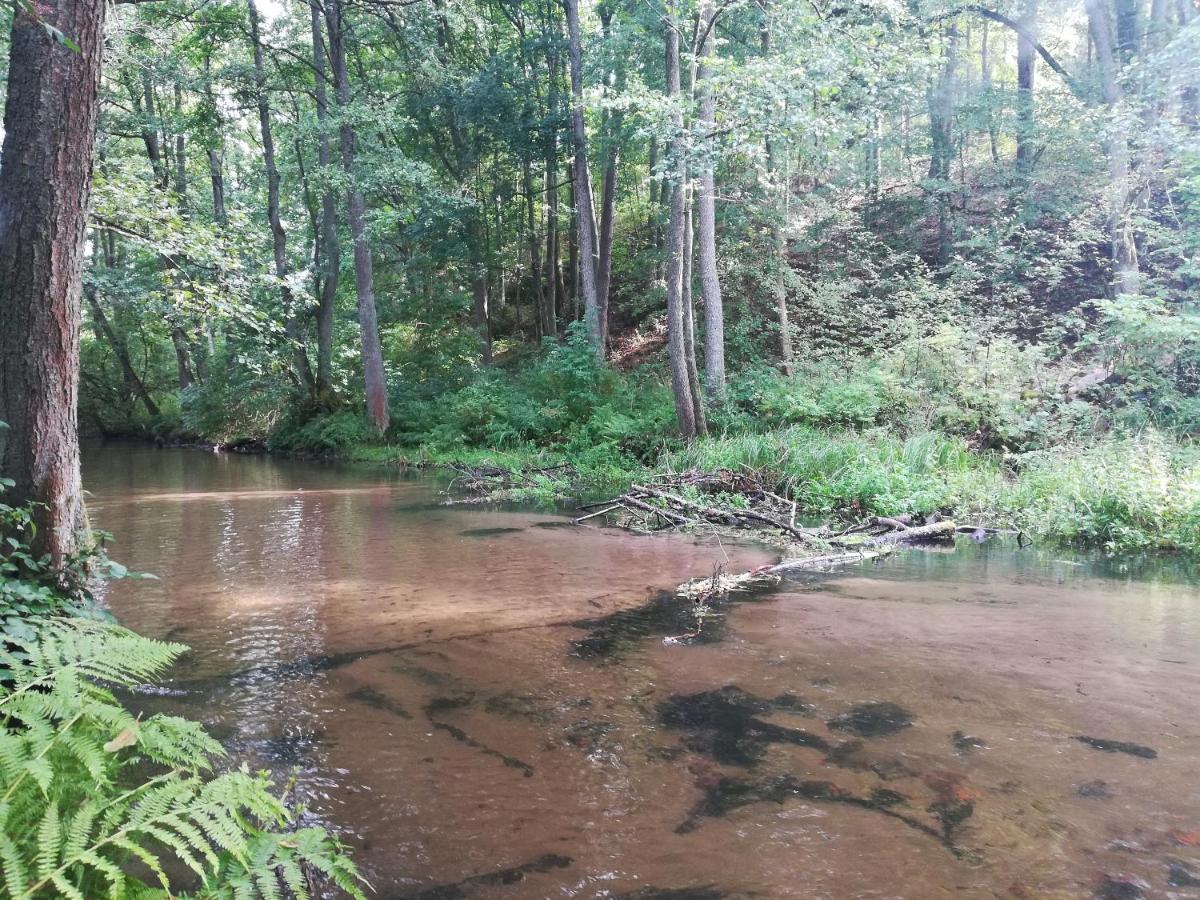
{"points": [[482, 703]]}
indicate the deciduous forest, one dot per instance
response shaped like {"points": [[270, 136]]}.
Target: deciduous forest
{"points": [[839, 273]]}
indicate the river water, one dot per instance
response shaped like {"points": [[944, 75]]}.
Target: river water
{"points": [[482, 703]]}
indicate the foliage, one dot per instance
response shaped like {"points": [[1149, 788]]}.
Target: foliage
{"points": [[90, 795]]}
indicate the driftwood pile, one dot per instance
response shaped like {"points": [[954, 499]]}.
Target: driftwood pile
{"points": [[733, 501]]}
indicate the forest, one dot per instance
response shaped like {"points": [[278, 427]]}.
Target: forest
{"points": [[928, 256], [873, 263]]}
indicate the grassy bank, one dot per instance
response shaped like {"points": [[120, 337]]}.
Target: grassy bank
{"points": [[989, 434]]}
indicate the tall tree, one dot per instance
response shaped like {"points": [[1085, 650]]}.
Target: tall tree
{"points": [[45, 180], [364, 275], [1026, 74], [685, 403], [710, 284], [585, 217], [328, 247], [776, 213], [1121, 239], [278, 235]]}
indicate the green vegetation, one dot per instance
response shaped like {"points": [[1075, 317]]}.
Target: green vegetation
{"points": [[91, 795], [995, 434]]}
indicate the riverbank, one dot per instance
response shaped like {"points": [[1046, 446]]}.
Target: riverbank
{"points": [[991, 439], [1138, 493]]}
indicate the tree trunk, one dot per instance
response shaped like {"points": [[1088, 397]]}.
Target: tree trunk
{"points": [[1026, 73], [129, 375], [364, 276], [608, 217], [685, 407], [941, 137], [776, 212], [689, 319], [45, 180], [535, 248], [1121, 238], [278, 234], [330, 248], [985, 76], [710, 285], [585, 218]]}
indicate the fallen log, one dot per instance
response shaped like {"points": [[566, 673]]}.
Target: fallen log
{"points": [[700, 589], [916, 533]]}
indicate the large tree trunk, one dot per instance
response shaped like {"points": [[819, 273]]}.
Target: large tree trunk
{"points": [[585, 217], [278, 234], [45, 181], [1026, 73], [1121, 238], [608, 218], [685, 407], [364, 276], [330, 248], [710, 285]]}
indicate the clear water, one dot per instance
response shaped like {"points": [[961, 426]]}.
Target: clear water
{"points": [[481, 701]]}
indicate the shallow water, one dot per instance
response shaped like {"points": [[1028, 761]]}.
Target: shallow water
{"points": [[482, 702]]}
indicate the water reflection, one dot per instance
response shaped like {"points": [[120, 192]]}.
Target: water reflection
{"points": [[486, 707]]}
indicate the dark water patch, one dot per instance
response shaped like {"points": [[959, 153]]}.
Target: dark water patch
{"points": [[1117, 746], [966, 743], [724, 724], [875, 719], [488, 532], [952, 813], [515, 875], [708, 892], [1121, 888], [1179, 875], [448, 704], [729, 794], [425, 675], [554, 524], [1096, 789], [517, 706], [887, 797], [664, 615], [377, 700]]}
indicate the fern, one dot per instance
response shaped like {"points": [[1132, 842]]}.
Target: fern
{"points": [[74, 823]]}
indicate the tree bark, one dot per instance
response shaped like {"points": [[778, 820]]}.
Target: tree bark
{"points": [[1026, 73], [776, 212], [585, 217], [278, 235], [941, 136], [45, 181], [330, 247], [535, 248], [1124, 249], [364, 276], [710, 284], [689, 317], [685, 407]]}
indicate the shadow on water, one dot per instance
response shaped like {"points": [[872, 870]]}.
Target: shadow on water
{"points": [[462, 889], [663, 615], [724, 724]]}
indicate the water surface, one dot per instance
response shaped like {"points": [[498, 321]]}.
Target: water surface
{"points": [[481, 700]]}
